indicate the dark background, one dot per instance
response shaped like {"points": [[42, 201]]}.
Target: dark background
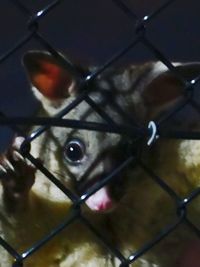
{"points": [[89, 32]]}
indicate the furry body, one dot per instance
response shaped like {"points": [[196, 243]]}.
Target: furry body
{"points": [[138, 216]]}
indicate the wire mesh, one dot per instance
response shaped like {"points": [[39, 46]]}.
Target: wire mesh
{"points": [[131, 129]]}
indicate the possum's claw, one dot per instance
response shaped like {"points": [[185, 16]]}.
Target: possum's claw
{"points": [[17, 176]]}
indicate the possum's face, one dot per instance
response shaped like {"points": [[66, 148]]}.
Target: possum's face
{"points": [[79, 158], [88, 157], [83, 158]]}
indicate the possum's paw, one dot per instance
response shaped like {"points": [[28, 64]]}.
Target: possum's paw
{"points": [[17, 176]]}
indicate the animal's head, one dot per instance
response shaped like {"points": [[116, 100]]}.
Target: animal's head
{"points": [[81, 158]]}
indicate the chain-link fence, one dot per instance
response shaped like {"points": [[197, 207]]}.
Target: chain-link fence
{"points": [[139, 28]]}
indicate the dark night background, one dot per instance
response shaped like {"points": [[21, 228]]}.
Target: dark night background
{"points": [[90, 32]]}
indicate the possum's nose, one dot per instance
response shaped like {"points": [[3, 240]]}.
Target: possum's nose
{"points": [[101, 200], [105, 199]]}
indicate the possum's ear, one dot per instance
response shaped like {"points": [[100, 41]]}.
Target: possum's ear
{"points": [[166, 89], [48, 75]]}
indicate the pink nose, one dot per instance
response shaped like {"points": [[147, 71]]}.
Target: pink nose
{"points": [[104, 206], [100, 201]]}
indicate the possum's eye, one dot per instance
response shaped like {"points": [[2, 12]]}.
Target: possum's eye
{"points": [[74, 151]]}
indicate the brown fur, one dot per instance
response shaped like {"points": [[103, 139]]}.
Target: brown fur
{"points": [[143, 208]]}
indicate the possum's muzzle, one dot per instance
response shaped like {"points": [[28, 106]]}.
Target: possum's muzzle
{"points": [[101, 201], [106, 197]]}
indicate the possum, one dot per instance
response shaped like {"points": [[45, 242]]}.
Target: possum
{"points": [[130, 210]]}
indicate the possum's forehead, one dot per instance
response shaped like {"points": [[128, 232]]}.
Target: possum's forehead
{"points": [[92, 139], [57, 137], [95, 143]]}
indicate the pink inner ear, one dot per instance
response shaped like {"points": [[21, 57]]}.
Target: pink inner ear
{"points": [[52, 80]]}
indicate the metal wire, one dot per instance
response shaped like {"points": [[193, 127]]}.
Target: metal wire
{"points": [[137, 131]]}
